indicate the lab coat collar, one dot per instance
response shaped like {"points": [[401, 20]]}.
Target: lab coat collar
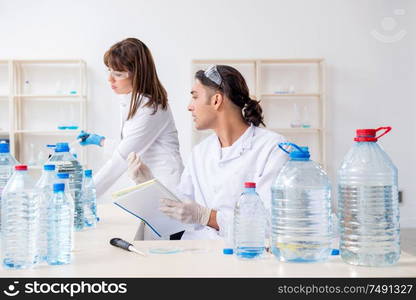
{"points": [[242, 144], [124, 99]]}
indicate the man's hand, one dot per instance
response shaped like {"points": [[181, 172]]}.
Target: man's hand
{"points": [[186, 212], [137, 170]]}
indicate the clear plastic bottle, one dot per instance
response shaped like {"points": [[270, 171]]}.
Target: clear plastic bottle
{"points": [[301, 210], [64, 178], [7, 163], [89, 200], [59, 227], [250, 221], [66, 163], [45, 187], [229, 237], [368, 203], [20, 215]]}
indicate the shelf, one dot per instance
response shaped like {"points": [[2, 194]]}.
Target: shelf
{"points": [[263, 61], [316, 95], [50, 132], [297, 130], [292, 61], [3, 133], [50, 96], [48, 61], [224, 61]]}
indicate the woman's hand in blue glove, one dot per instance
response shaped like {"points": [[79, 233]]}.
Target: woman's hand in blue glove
{"points": [[90, 138]]}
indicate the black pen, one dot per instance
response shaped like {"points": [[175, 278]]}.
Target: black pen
{"points": [[117, 242]]}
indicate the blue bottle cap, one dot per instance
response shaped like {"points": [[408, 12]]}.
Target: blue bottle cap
{"points": [[297, 153], [227, 251], [49, 167], [62, 147], [335, 252], [302, 154], [4, 148], [88, 173], [50, 146], [58, 187], [63, 175]]}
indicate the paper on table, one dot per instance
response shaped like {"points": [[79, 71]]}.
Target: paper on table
{"points": [[143, 201]]}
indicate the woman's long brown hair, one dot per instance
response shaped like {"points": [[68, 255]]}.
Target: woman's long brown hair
{"points": [[133, 56]]}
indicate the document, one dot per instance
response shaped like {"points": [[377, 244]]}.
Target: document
{"points": [[143, 201]]}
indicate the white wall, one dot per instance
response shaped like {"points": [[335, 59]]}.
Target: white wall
{"points": [[370, 83]]}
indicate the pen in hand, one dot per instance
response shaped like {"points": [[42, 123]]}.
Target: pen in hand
{"points": [[117, 242]]}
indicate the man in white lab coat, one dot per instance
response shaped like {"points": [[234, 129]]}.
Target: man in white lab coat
{"points": [[237, 152]]}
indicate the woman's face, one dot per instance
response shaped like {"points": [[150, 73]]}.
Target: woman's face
{"points": [[120, 81]]}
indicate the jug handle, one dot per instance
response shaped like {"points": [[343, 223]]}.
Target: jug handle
{"points": [[387, 129], [281, 145]]}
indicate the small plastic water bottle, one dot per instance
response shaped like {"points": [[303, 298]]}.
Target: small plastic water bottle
{"points": [[301, 209], [59, 227], [44, 185], [64, 178], [368, 203], [66, 163], [250, 221], [229, 238], [7, 163], [20, 215], [89, 200]]}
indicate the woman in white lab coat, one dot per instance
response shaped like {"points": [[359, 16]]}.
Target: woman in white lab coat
{"points": [[239, 151], [147, 126]]}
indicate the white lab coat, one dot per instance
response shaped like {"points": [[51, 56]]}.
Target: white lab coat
{"points": [[216, 182], [153, 137]]}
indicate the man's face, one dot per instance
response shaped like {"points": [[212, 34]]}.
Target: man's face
{"points": [[202, 110]]}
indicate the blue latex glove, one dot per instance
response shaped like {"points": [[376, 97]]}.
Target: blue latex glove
{"points": [[89, 138]]}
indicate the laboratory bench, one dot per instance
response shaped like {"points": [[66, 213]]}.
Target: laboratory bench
{"points": [[93, 256]]}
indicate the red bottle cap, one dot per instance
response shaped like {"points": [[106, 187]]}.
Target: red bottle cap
{"points": [[369, 135], [20, 168], [250, 184]]}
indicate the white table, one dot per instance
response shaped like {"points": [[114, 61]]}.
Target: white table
{"points": [[95, 257]]}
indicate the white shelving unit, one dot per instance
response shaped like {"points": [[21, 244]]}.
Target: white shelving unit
{"points": [[37, 96], [279, 84]]}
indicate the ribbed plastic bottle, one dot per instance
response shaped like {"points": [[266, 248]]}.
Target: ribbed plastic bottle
{"points": [[301, 209], [250, 219], [64, 178], [89, 200], [59, 227], [45, 187], [7, 163], [20, 215], [368, 203], [66, 163]]}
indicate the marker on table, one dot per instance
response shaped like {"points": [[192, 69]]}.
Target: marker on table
{"points": [[117, 242]]}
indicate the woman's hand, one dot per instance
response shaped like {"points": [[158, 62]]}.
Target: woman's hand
{"points": [[137, 170], [90, 139]]}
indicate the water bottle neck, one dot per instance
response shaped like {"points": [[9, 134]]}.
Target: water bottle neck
{"points": [[249, 190], [20, 172]]}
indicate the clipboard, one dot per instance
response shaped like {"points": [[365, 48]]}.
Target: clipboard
{"points": [[143, 201]]}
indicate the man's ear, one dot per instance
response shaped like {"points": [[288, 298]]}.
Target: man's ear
{"points": [[217, 100]]}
